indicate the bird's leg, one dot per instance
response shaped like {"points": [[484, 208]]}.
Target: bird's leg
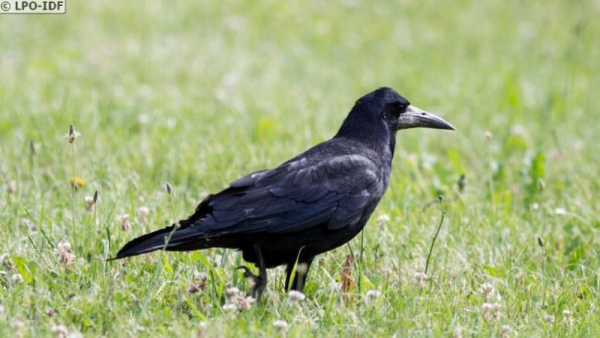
{"points": [[262, 273], [299, 280], [259, 281]]}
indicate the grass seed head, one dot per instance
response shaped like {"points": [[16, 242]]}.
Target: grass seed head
{"points": [[73, 134]]}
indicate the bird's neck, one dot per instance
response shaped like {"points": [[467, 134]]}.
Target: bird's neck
{"points": [[382, 142]]}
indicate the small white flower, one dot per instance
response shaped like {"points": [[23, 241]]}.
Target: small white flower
{"points": [[142, 214], [60, 330], [19, 327], [200, 276], [125, 225], [4, 259], [372, 295], [232, 292], [245, 303], [89, 204], [75, 334], [560, 211], [535, 206], [383, 218], [568, 317], [295, 297], [17, 278], [505, 331], [549, 319], [496, 308], [63, 250], [26, 222], [420, 279], [487, 289], [229, 307], [281, 324], [457, 332], [486, 311]]}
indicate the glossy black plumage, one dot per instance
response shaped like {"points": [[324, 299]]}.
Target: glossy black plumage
{"points": [[308, 205]]}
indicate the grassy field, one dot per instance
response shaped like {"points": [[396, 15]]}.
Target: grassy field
{"points": [[199, 93]]}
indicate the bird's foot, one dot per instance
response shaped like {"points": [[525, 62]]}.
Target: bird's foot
{"points": [[258, 283]]}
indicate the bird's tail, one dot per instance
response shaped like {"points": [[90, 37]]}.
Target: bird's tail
{"points": [[171, 238]]}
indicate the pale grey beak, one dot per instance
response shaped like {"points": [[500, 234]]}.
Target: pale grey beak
{"points": [[417, 118]]}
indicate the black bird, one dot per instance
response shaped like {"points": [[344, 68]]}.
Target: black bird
{"points": [[313, 203]]}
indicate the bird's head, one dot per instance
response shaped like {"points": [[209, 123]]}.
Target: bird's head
{"points": [[385, 106], [397, 112], [383, 112]]}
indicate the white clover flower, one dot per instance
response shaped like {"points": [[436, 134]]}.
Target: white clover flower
{"points": [[372, 295], [457, 332], [63, 250], [232, 292], [560, 211], [487, 289], [229, 307], [26, 222], [384, 218], [295, 297], [281, 325], [486, 311], [142, 214], [89, 204], [125, 225], [61, 331], [420, 279], [245, 303], [568, 317], [17, 278], [496, 312], [505, 331]]}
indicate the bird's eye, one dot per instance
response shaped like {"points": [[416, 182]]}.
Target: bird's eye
{"points": [[397, 105], [398, 108]]}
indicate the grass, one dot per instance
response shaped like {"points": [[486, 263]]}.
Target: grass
{"points": [[198, 93]]}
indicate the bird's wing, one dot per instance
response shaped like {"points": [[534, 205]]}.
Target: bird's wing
{"points": [[335, 192]]}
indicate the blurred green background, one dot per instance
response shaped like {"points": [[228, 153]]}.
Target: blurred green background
{"points": [[200, 93]]}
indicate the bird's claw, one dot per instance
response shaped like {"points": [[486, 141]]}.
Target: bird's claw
{"points": [[256, 280]]}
